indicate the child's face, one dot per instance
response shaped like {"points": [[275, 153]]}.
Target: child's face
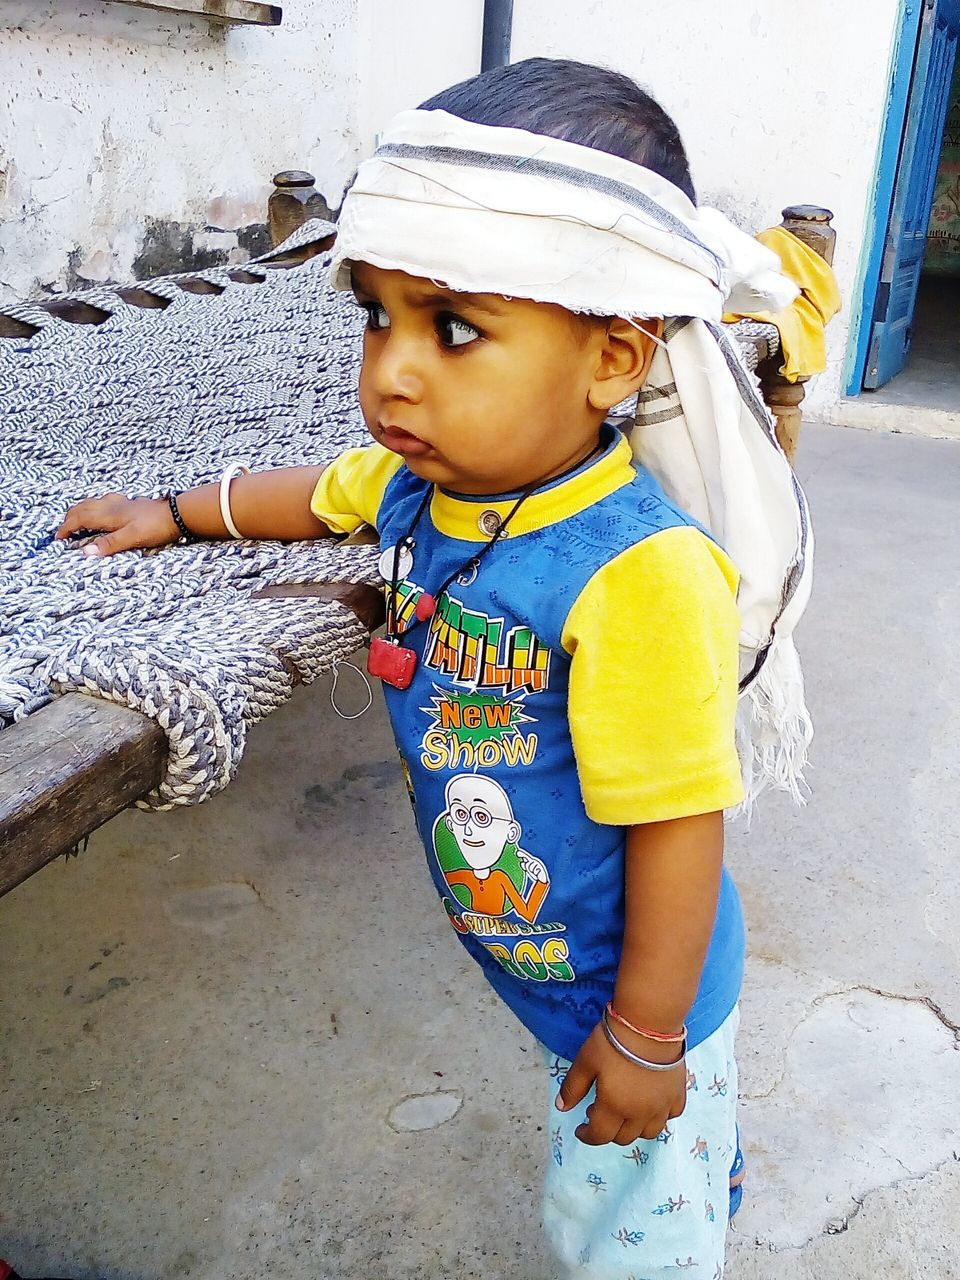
{"points": [[481, 394]]}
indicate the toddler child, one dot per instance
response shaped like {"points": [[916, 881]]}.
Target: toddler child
{"points": [[560, 661]]}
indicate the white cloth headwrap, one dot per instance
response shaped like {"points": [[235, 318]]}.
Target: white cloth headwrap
{"points": [[489, 210]]}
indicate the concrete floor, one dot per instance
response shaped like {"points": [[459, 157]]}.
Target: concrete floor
{"points": [[925, 398], [212, 1018], [931, 379]]}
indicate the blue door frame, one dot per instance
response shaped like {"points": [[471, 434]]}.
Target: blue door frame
{"points": [[903, 64]]}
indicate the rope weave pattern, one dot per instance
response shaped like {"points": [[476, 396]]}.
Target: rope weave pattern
{"points": [[151, 400], [757, 340]]}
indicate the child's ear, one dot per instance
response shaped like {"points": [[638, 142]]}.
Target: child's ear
{"points": [[625, 357]]}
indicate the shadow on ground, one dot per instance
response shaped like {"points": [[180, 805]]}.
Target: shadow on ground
{"points": [[241, 1040]]}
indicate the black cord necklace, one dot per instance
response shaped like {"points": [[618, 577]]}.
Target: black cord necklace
{"points": [[390, 660]]}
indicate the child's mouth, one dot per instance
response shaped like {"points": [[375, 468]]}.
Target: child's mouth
{"points": [[402, 442]]}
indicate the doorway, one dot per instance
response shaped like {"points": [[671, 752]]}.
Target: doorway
{"points": [[908, 348]]}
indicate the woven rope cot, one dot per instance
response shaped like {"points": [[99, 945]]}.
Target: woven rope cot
{"points": [[143, 390], [262, 369]]}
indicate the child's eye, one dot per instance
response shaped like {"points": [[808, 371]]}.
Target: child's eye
{"points": [[377, 317], [454, 331]]}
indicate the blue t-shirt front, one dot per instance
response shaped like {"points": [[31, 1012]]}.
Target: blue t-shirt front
{"points": [[511, 729]]}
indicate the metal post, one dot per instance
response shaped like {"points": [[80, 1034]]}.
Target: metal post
{"points": [[497, 29]]}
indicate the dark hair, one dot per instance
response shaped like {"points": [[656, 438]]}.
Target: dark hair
{"points": [[577, 102]]}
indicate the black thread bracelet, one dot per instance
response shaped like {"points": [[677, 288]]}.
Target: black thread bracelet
{"points": [[178, 518]]}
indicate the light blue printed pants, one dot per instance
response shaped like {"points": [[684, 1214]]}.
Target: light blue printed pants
{"points": [[659, 1208]]}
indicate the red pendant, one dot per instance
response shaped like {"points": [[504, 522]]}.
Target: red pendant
{"points": [[392, 663], [425, 607]]}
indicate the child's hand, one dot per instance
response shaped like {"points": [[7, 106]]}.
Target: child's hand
{"points": [[631, 1102], [132, 522]]}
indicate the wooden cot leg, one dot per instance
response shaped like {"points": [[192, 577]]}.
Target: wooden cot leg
{"points": [[294, 201], [811, 224], [784, 399]]}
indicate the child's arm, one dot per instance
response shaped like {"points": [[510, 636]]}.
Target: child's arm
{"points": [[672, 884], [268, 504]]}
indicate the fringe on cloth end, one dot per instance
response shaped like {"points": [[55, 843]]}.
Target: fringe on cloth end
{"points": [[774, 729]]}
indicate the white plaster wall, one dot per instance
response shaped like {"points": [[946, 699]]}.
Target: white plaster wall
{"points": [[410, 50], [777, 103], [112, 115]]}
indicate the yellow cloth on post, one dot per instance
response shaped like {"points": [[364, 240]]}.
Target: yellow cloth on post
{"points": [[800, 325]]}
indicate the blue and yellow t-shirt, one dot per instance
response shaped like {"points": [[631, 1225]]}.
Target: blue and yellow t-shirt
{"points": [[582, 681]]}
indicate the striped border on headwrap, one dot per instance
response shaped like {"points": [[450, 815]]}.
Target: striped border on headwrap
{"points": [[564, 173]]}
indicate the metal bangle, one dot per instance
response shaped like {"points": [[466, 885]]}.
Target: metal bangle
{"points": [[178, 519], [635, 1058]]}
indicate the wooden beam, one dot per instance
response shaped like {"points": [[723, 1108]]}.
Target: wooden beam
{"points": [[365, 601], [77, 762], [251, 12], [66, 770]]}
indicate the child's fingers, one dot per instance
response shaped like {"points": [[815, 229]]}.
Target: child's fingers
{"points": [[72, 521], [654, 1128], [109, 544], [629, 1133], [576, 1084], [92, 513], [602, 1125]]}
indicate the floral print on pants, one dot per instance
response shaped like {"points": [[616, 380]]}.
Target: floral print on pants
{"points": [[660, 1207]]}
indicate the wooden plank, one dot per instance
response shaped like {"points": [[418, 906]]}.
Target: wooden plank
{"points": [[366, 602], [76, 763], [250, 12], [66, 770]]}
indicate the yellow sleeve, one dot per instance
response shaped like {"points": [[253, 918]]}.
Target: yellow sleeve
{"points": [[350, 491], [653, 639]]}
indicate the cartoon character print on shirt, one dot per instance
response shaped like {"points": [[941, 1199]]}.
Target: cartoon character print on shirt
{"points": [[496, 888], [488, 872], [476, 841]]}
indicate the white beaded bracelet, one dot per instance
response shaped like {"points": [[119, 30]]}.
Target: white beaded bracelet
{"points": [[235, 469]]}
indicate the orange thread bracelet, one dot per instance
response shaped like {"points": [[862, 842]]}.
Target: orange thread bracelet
{"points": [[660, 1037]]}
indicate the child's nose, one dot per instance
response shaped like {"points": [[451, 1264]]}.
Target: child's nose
{"points": [[398, 370]]}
